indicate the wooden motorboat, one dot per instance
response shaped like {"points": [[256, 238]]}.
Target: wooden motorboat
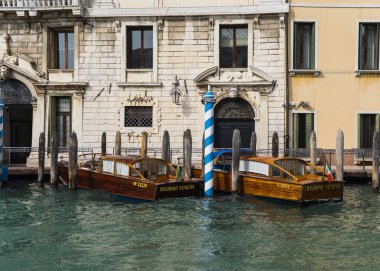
{"points": [[288, 179], [137, 178]]}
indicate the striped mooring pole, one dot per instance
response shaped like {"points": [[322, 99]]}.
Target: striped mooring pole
{"points": [[209, 142], [3, 169]]}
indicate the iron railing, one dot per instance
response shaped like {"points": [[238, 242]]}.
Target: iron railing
{"points": [[351, 156]]}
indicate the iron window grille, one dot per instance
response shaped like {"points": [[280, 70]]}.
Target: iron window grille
{"points": [[138, 116]]}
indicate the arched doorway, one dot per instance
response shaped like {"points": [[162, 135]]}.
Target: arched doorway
{"points": [[231, 114], [18, 118]]}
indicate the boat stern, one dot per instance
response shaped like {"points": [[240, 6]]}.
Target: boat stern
{"points": [[322, 191]]}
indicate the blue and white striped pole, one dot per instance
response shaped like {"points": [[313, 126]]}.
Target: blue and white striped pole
{"points": [[209, 143]]}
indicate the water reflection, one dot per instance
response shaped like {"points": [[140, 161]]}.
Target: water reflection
{"points": [[53, 229]]}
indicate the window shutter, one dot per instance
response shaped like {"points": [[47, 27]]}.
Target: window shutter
{"points": [[309, 127], [377, 122], [295, 130]]}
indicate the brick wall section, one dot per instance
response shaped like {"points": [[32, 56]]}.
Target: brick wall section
{"points": [[269, 56], [24, 39], [185, 49]]}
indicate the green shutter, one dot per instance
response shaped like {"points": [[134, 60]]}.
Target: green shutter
{"points": [[309, 118], [312, 48], [360, 131], [52, 117], [377, 122], [295, 130]]}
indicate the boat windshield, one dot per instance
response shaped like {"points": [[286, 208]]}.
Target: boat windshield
{"points": [[154, 169], [293, 166]]}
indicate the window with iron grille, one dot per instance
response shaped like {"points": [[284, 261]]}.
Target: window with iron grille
{"points": [[138, 116]]}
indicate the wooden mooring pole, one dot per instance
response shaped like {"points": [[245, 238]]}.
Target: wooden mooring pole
{"points": [[165, 155], [118, 143], [275, 145], [187, 154], [339, 168], [144, 144], [236, 144], [375, 162], [73, 161], [104, 144], [41, 159], [253, 143], [313, 147], [54, 160]]}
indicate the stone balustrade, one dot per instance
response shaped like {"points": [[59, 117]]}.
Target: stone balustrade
{"points": [[33, 7], [38, 3]]}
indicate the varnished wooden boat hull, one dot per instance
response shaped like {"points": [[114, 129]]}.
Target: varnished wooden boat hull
{"points": [[130, 187], [269, 188]]}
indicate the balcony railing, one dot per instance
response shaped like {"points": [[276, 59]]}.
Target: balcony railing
{"points": [[34, 6], [38, 3]]}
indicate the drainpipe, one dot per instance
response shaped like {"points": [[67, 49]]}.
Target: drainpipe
{"points": [[286, 139]]}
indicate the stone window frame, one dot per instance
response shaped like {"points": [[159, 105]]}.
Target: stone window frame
{"points": [[357, 123], [124, 53], [359, 72], [301, 111], [226, 22], [50, 98], [48, 31], [136, 131], [315, 72]]}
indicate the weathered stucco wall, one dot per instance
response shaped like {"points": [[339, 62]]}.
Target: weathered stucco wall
{"points": [[337, 96]]}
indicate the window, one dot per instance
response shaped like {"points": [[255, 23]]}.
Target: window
{"points": [[63, 57], [369, 46], [138, 116], [368, 124], [303, 125], [304, 46], [60, 120], [140, 47], [233, 51]]}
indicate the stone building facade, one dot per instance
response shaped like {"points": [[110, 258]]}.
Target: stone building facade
{"points": [[94, 66]]}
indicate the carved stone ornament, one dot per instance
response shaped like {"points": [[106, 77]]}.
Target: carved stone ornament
{"points": [[233, 93], [252, 79], [42, 74], [234, 109], [138, 99], [5, 72]]}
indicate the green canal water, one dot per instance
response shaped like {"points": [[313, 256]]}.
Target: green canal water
{"points": [[53, 229]]}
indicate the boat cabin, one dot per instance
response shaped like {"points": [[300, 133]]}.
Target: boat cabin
{"points": [[284, 168], [153, 169]]}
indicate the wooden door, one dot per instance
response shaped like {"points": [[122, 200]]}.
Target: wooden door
{"points": [[224, 130]]}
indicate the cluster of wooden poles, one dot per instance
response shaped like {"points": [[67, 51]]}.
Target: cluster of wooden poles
{"points": [[73, 155], [187, 154]]}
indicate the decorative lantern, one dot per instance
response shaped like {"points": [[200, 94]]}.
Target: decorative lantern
{"points": [[176, 92]]}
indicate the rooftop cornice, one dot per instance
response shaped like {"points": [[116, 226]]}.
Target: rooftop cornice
{"points": [[188, 11], [330, 5]]}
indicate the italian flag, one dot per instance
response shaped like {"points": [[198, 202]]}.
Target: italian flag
{"points": [[328, 172]]}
